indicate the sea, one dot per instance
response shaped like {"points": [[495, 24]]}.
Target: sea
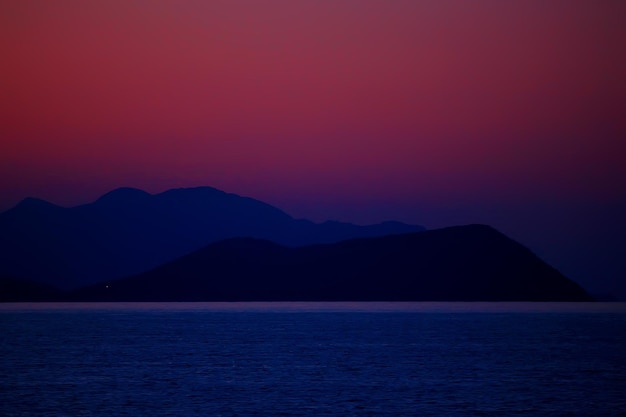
{"points": [[313, 359]]}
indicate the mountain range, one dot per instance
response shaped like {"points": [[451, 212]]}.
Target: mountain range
{"points": [[202, 244], [464, 263], [129, 231]]}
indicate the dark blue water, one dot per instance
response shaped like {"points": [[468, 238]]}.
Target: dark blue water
{"points": [[313, 359]]}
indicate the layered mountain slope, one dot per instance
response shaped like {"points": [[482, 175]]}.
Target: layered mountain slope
{"points": [[128, 231], [465, 263]]}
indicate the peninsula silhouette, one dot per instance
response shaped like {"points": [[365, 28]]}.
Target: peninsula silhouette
{"points": [[465, 263]]}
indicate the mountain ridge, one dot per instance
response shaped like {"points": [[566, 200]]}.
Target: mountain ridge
{"points": [[128, 231], [461, 263]]}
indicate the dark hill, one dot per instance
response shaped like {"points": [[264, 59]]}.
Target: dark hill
{"points": [[17, 290], [128, 231], [465, 263]]}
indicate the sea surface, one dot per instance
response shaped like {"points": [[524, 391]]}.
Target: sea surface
{"points": [[313, 359]]}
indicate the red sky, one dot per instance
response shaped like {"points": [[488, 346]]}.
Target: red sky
{"points": [[361, 110]]}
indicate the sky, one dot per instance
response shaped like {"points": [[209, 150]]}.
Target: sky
{"points": [[509, 113]]}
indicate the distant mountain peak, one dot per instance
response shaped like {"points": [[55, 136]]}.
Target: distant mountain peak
{"points": [[123, 194], [193, 190], [34, 203]]}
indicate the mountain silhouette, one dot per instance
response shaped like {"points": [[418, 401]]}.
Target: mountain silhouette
{"points": [[463, 263], [18, 290], [128, 231]]}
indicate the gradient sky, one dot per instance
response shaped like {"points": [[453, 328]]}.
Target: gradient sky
{"points": [[432, 112]]}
